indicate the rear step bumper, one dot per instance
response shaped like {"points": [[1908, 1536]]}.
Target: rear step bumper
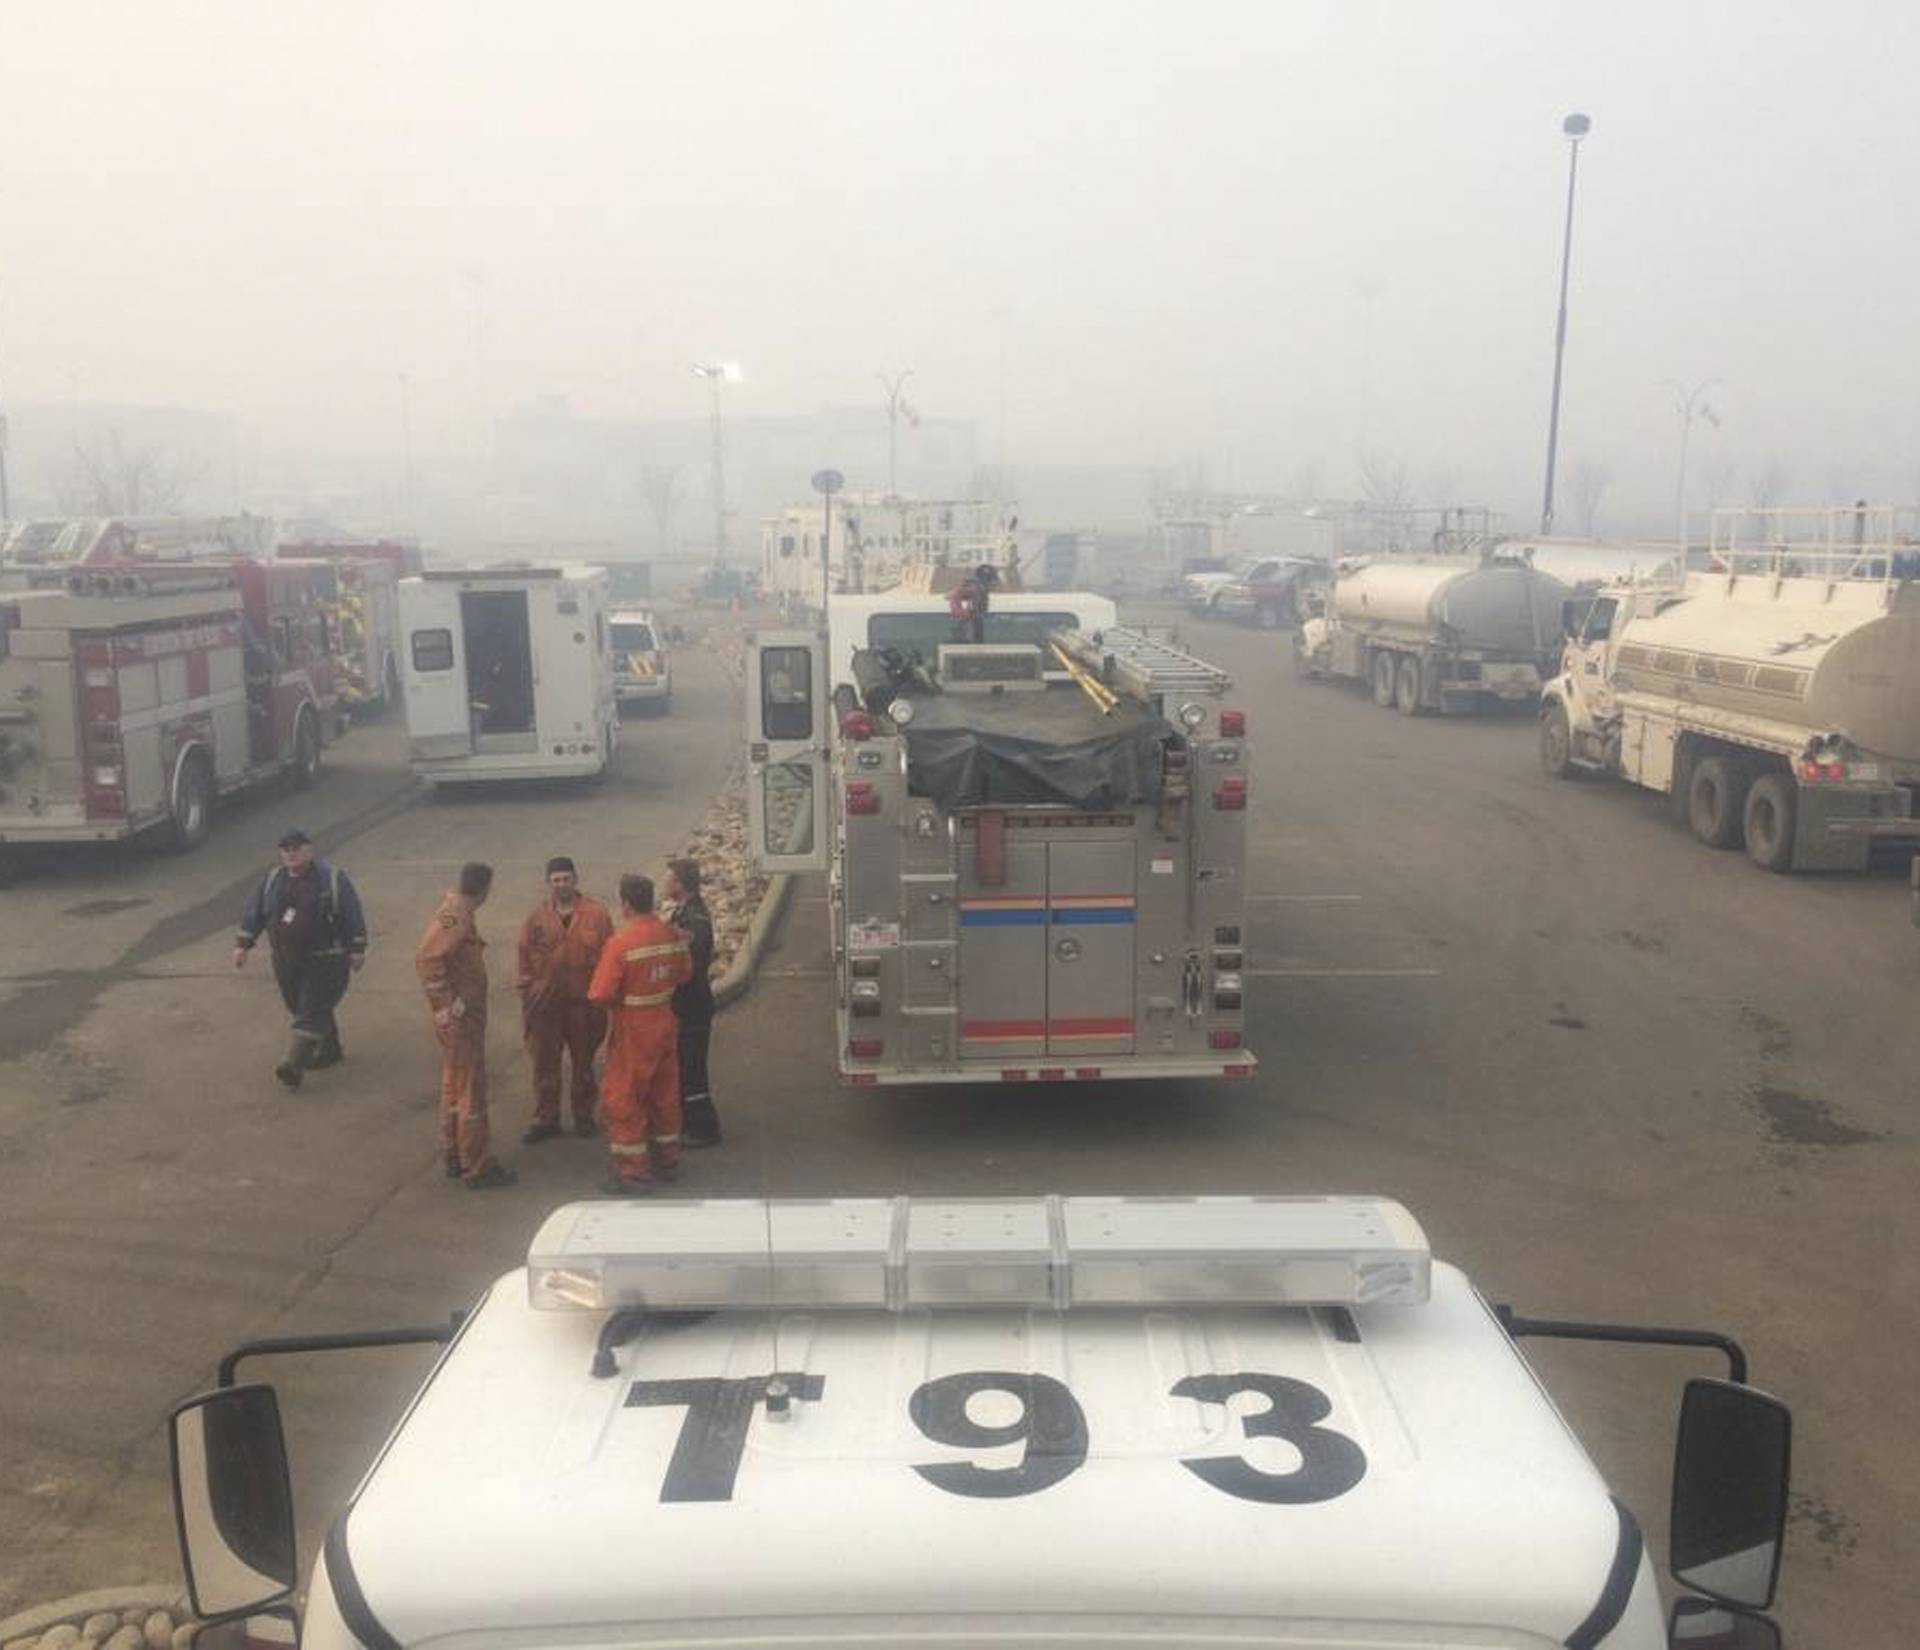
{"points": [[1120, 1068]]}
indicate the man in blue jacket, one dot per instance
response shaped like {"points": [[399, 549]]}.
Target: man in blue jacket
{"points": [[317, 932]]}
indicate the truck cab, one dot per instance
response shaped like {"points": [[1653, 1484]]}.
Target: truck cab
{"points": [[1026, 1421]]}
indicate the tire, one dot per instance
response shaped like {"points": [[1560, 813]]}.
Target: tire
{"points": [[1717, 799], [1556, 741], [1406, 688], [392, 682], [1268, 617], [306, 750], [1773, 803], [1385, 673], [191, 815]]}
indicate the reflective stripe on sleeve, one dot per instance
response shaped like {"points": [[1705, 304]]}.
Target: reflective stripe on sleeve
{"points": [[676, 947]]}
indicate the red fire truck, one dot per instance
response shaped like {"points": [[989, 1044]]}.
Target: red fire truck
{"points": [[133, 697], [367, 617]]}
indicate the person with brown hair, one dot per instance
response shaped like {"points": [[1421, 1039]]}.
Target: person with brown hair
{"points": [[639, 970], [560, 942], [452, 965]]}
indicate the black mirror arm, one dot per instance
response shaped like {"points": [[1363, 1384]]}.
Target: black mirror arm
{"points": [[1632, 1334], [274, 1346]]}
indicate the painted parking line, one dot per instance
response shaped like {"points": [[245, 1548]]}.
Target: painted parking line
{"points": [[1340, 973], [1303, 899]]}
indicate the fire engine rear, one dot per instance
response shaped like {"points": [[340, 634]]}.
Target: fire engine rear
{"points": [[1035, 854], [132, 700]]}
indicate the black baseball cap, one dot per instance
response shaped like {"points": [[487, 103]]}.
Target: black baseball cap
{"points": [[295, 838]]}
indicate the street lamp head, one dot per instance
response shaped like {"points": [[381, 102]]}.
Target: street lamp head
{"points": [[718, 372], [1576, 126]]}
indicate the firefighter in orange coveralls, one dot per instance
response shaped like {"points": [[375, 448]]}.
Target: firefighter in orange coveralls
{"points": [[640, 1089], [452, 966], [559, 945]]}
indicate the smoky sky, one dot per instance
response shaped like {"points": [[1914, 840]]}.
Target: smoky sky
{"points": [[1255, 235]]}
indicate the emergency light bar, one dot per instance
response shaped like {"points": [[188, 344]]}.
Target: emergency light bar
{"points": [[900, 1254]]}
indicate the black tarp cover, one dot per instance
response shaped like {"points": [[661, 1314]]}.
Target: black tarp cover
{"points": [[967, 750]]}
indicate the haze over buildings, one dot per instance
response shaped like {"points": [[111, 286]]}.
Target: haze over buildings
{"points": [[1248, 241]]}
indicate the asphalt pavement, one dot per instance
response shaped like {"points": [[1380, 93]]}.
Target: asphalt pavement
{"points": [[1616, 1074]]}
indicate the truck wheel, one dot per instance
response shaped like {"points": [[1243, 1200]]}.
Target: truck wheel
{"points": [[1716, 801], [1556, 741], [191, 815], [1384, 672], [392, 682], [1771, 806], [306, 750], [1407, 689], [1268, 617]]}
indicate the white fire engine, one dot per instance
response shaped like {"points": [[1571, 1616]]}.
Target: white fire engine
{"points": [[1066, 1422], [133, 698]]}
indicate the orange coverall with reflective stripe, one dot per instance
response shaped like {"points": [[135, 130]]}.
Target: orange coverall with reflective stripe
{"points": [[557, 957], [640, 1087], [452, 966]]}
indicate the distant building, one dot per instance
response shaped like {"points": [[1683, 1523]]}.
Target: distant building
{"points": [[593, 474]]}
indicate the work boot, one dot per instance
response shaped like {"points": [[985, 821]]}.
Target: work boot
{"points": [[534, 1133], [331, 1054], [494, 1174], [615, 1186], [289, 1073], [454, 1171], [699, 1123]]}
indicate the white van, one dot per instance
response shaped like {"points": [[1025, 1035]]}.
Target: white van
{"points": [[642, 672], [508, 673], [1228, 1422]]}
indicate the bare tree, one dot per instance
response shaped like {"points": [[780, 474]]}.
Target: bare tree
{"points": [[1587, 485], [1387, 493], [658, 485], [112, 477]]}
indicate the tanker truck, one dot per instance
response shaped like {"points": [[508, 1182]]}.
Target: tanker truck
{"points": [[1438, 634], [1775, 700]]}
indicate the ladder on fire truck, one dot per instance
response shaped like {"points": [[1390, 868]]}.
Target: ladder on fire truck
{"points": [[1135, 662]]}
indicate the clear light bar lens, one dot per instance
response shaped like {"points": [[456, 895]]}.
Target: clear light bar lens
{"points": [[902, 1253]]}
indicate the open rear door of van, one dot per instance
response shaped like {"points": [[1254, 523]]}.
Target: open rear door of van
{"points": [[787, 708], [433, 665]]}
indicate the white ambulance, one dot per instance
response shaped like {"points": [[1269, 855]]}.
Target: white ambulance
{"points": [[1058, 1421], [508, 673]]}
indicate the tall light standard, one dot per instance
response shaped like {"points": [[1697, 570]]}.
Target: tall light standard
{"points": [[717, 373], [1575, 126], [1687, 403], [406, 448], [896, 404]]}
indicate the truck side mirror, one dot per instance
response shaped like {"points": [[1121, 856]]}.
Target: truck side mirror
{"points": [[1700, 1624], [233, 1500], [1573, 617], [275, 1629], [1730, 1472]]}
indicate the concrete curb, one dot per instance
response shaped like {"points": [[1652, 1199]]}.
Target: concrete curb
{"points": [[733, 985], [169, 1596]]}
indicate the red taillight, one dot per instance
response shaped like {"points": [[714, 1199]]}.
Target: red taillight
{"points": [[1051, 1074], [1236, 1071], [1012, 1074], [865, 1048], [860, 797], [1223, 1039], [1823, 770], [856, 725], [1233, 724], [1230, 795], [1087, 1072]]}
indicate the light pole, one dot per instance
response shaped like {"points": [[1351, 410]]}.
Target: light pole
{"points": [[1687, 403], [893, 386], [826, 483], [1575, 126], [406, 448], [717, 373]]}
